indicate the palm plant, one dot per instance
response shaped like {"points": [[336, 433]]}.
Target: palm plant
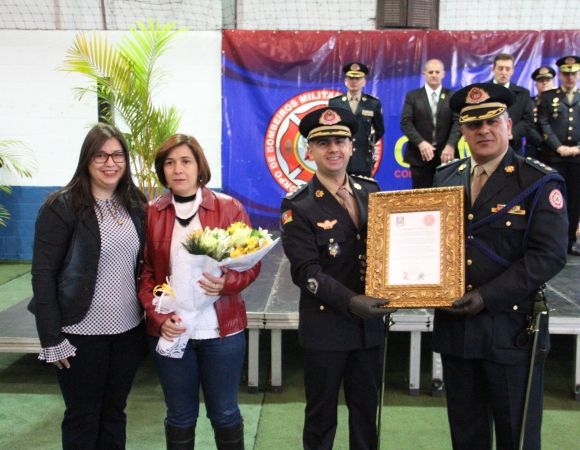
{"points": [[124, 77], [16, 163]]}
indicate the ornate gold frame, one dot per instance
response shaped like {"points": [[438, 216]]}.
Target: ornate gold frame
{"points": [[447, 200]]}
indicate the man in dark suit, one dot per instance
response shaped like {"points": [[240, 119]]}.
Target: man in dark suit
{"points": [[521, 111], [369, 116], [544, 80], [516, 221], [324, 228], [559, 116], [431, 128]]}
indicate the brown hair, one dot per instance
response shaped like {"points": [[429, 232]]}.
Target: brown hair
{"points": [[80, 185], [503, 57], [204, 173]]}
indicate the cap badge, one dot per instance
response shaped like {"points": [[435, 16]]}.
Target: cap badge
{"points": [[355, 66], [329, 118], [544, 71], [476, 95], [569, 60], [319, 193]]}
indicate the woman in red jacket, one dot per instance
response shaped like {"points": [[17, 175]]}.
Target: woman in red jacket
{"points": [[214, 356]]}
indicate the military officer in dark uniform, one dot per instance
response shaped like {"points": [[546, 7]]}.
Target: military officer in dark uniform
{"points": [[515, 216], [324, 227], [544, 80], [369, 116], [559, 116]]}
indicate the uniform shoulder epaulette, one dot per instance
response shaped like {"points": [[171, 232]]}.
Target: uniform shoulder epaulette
{"points": [[368, 96], [451, 163], [364, 178], [292, 194], [538, 165]]}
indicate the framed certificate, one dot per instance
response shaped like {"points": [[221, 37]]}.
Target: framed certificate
{"points": [[415, 247]]}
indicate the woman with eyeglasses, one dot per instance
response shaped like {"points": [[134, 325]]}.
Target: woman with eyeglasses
{"points": [[87, 248]]}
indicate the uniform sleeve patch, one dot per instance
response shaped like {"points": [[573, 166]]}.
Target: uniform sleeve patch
{"points": [[287, 217], [312, 285], [556, 199]]}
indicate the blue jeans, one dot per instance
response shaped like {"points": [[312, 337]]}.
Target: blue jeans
{"points": [[215, 365]]}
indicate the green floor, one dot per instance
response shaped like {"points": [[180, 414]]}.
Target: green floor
{"points": [[31, 407]]}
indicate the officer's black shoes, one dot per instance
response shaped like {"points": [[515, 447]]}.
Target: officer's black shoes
{"points": [[572, 250]]}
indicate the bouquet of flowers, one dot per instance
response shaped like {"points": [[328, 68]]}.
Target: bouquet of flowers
{"points": [[231, 247], [239, 247]]}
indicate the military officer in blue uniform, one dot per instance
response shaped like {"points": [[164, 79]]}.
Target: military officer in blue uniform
{"points": [[324, 228], [543, 78], [369, 116], [516, 223], [559, 116]]}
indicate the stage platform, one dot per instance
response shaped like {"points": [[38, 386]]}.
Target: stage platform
{"points": [[272, 303]]}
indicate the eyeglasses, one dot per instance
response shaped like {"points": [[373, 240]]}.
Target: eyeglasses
{"points": [[103, 157]]}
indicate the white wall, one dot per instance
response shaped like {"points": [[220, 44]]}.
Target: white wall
{"points": [[509, 15], [39, 107], [306, 14], [453, 14]]}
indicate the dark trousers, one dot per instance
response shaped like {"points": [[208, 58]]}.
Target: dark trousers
{"points": [[324, 371], [571, 174], [96, 387], [482, 396], [422, 176]]}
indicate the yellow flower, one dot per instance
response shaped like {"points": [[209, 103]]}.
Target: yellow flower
{"points": [[237, 240]]}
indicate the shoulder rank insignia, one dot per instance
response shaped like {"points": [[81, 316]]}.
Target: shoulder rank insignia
{"points": [[538, 165], [319, 193], [287, 217], [509, 169], [290, 195], [327, 224], [362, 177]]}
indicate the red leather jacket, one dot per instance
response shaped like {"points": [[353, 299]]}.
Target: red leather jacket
{"points": [[216, 210]]}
